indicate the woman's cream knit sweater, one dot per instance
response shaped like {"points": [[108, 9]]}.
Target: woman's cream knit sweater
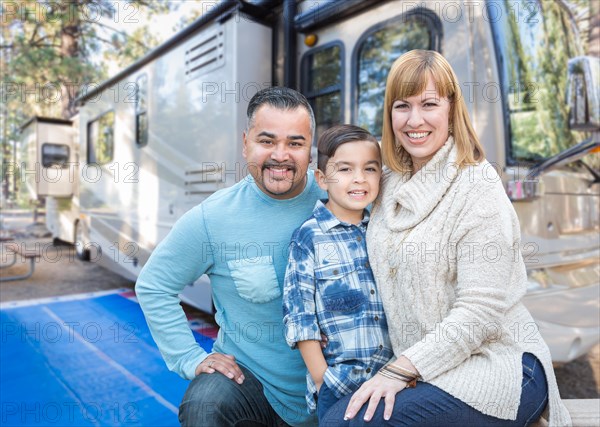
{"points": [[444, 247]]}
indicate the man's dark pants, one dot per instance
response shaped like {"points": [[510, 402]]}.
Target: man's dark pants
{"points": [[213, 400]]}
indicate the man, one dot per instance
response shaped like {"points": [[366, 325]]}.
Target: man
{"points": [[239, 237]]}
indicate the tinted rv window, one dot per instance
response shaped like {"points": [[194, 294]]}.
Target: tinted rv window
{"points": [[101, 137], [534, 41], [322, 84], [141, 114], [55, 155], [379, 48]]}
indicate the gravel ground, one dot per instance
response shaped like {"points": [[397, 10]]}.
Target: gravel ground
{"points": [[579, 379]]}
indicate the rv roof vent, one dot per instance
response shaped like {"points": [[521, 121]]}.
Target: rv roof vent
{"points": [[205, 53]]}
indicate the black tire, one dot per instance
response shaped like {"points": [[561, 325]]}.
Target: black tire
{"points": [[82, 253]]}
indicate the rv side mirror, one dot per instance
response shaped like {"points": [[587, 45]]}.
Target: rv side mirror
{"points": [[583, 93]]}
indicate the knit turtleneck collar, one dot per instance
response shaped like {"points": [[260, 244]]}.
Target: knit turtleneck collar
{"points": [[407, 200]]}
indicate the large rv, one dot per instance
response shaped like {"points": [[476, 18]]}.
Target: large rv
{"points": [[165, 133]]}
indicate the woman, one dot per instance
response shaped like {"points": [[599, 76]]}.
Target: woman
{"points": [[443, 244]]}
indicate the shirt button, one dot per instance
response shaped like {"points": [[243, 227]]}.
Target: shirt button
{"points": [[335, 272], [366, 265], [376, 318], [380, 347], [359, 239], [372, 291], [368, 370]]}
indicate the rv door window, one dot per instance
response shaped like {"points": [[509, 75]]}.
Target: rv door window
{"points": [[55, 155], [322, 84], [378, 49], [141, 116], [101, 137], [534, 41]]}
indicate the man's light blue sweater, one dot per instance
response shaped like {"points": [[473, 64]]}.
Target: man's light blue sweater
{"points": [[239, 237]]}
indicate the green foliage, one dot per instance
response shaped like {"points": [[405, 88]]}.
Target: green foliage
{"points": [[538, 50]]}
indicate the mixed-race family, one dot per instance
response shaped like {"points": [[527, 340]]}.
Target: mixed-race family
{"points": [[331, 320]]}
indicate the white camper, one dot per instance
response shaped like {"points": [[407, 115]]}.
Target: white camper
{"points": [[49, 148], [163, 134]]}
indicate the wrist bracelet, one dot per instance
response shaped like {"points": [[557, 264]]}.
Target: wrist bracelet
{"points": [[411, 382], [401, 370]]}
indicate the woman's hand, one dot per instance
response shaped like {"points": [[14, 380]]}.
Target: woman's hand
{"points": [[373, 390]]}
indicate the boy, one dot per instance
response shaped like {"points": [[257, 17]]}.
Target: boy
{"points": [[329, 287]]}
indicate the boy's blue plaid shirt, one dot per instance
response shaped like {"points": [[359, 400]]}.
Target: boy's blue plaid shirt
{"points": [[329, 287]]}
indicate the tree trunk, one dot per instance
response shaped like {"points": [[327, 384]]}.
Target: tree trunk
{"points": [[69, 48], [594, 31]]}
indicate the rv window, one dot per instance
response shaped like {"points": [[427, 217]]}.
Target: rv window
{"points": [[101, 137], [533, 52], [379, 48], [55, 155], [141, 129], [322, 84], [141, 106]]}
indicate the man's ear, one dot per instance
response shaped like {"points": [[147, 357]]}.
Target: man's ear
{"points": [[321, 179], [244, 145]]}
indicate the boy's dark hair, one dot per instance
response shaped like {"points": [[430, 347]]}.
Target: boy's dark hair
{"points": [[282, 98], [332, 138]]}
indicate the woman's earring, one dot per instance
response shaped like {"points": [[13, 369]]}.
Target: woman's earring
{"points": [[450, 129]]}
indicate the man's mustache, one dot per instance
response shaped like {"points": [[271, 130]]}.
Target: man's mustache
{"points": [[288, 165]]}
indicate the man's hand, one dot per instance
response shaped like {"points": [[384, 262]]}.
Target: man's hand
{"points": [[223, 363]]}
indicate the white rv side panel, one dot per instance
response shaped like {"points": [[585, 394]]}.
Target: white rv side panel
{"points": [[196, 117]]}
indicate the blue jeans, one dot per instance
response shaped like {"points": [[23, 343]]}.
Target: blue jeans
{"points": [[213, 400], [428, 406], [325, 400]]}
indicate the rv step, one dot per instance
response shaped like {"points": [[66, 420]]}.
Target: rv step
{"points": [[584, 413]]}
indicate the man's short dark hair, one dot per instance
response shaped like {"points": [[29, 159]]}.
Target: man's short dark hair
{"points": [[282, 98], [332, 138]]}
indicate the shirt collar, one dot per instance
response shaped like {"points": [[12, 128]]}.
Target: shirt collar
{"points": [[407, 200], [327, 220]]}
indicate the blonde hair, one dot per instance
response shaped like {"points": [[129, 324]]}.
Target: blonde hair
{"points": [[408, 77]]}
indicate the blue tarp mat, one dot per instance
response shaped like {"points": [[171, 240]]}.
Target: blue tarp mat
{"points": [[85, 362]]}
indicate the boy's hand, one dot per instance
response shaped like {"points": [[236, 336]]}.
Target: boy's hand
{"points": [[223, 363], [324, 340]]}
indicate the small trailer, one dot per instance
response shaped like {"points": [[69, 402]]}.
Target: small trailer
{"points": [[49, 148]]}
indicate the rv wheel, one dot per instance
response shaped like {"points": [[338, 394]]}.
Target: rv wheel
{"points": [[82, 253]]}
